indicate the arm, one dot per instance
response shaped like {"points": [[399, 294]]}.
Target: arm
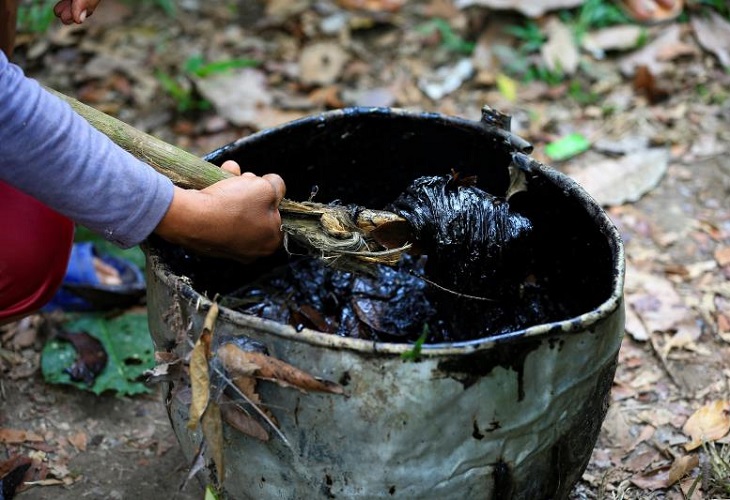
{"points": [[55, 156]]}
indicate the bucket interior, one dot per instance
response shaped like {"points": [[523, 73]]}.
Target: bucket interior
{"points": [[369, 156]]}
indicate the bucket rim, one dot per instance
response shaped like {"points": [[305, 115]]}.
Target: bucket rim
{"points": [[574, 325]]}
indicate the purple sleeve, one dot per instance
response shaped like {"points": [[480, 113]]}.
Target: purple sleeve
{"points": [[54, 155]]}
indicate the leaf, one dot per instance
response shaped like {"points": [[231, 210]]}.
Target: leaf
{"points": [[507, 87], [245, 363], [90, 359], [128, 347], [212, 426], [234, 416], [19, 436], [618, 181], [414, 354], [713, 34], [681, 467], [199, 374], [210, 493], [560, 52], [709, 423], [567, 147], [530, 8]]}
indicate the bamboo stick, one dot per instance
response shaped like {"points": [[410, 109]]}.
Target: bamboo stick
{"points": [[338, 234]]}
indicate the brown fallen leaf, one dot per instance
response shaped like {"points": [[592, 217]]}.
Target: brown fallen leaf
{"points": [[212, 426], [681, 467], [372, 5], [321, 63], [239, 362], [234, 416], [12, 473], [713, 33], [646, 84], [722, 256], [18, 436], [91, 357], [709, 423], [199, 376], [79, 440]]}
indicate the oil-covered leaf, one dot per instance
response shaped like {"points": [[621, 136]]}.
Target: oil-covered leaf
{"points": [[127, 344]]}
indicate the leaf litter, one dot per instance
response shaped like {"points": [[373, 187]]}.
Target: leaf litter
{"points": [[690, 122]]}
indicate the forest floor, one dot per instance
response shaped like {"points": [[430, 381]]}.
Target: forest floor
{"points": [[640, 116]]}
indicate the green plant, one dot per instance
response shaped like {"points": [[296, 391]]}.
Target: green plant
{"points": [[449, 40], [593, 14], [581, 95], [181, 88], [718, 469], [35, 16], [414, 354]]}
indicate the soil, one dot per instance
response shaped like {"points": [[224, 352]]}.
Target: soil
{"points": [[677, 231]]}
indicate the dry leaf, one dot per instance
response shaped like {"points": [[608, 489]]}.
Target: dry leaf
{"points": [[618, 181], [722, 256], [321, 63], [656, 301], [559, 52], [199, 376], [212, 426], [245, 363], [644, 82], [241, 421], [238, 96], [709, 423], [655, 55], [18, 436], [79, 440], [681, 467], [653, 480], [713, 33], [622, 37]]}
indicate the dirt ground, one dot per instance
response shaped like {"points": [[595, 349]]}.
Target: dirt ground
{"points": [[673, 125]]}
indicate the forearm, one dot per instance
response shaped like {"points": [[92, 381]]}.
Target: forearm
{"points": [[51, 153]]}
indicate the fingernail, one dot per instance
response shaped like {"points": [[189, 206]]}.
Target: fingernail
{"points": [[82, 16]]}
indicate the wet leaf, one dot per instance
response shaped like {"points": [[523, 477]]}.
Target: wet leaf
{"points": [[212, 426], [567, 147], [199, 374], [91, 357], [709, 423], [244, 363], [127, 344]]}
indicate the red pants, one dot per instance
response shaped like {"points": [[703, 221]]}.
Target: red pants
{"points": [[35, 244]]}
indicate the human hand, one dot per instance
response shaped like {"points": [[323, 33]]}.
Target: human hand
{"points": [[236, 218], [74, 11]]}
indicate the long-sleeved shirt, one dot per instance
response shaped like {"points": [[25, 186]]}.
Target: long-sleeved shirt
{"points": [[51, 153]]}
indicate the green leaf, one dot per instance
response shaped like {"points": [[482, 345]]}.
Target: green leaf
{"points": [[414, 354], [210, 493], [507, 87], [128, 346], [567, 147]]}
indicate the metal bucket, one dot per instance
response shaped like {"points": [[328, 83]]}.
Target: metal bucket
{"points": [[509, 416]]}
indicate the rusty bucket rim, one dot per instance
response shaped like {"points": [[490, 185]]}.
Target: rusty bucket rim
{"points": [[575, 324]]}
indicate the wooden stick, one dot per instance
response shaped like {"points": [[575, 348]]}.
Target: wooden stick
{"points": [[192, 172]]}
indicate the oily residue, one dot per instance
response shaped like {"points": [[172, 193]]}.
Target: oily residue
{"points": [[470, 368], [471, 276]]}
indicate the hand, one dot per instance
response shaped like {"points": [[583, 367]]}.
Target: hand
{"points": [[236, 218], [74, 11]]}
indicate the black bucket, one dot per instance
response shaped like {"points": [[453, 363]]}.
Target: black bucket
{"points": [[513, 414]]}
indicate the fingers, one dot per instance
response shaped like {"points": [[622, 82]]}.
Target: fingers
{"points": [[231, 167], [278, 184], [74, 11]]}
